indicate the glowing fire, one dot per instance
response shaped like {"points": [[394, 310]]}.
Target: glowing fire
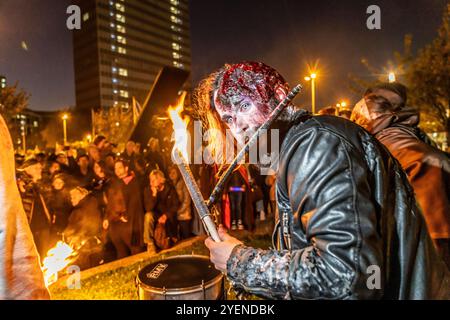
{"points": [[58, 257], [180, 126]]}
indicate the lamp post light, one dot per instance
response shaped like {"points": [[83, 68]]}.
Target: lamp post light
{"points": [[312, 78], [64, 118], [391, 77]]}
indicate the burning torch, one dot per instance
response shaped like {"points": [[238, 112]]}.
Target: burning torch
{"points": [[180, 156]]}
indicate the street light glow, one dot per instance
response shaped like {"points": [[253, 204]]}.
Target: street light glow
{"points": [[307, 78], [313, 75], [391, 77], [65, 116]]}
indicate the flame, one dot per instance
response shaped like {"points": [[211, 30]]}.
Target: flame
{"points": [[179, 125], [58, 258]]}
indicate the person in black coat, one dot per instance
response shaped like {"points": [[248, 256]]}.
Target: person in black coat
{"points": [[161, 206]]}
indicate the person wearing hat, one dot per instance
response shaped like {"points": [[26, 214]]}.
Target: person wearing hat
{"points": [[20, 273], [384, 113]]}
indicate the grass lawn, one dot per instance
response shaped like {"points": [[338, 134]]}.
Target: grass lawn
{"points": [[119, 283]]}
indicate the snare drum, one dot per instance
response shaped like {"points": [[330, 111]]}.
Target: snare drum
{"points": [[187, 277]]}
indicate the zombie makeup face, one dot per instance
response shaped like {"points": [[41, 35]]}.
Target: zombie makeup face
{"points": [[245, 95], [243, 116]]}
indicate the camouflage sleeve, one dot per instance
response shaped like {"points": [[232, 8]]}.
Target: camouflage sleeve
{"points": [[283, 275]]}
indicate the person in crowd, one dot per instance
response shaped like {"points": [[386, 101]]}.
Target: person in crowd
{"points": [[67, 162], [53, 168], [32, 193], [94, 154], [129, 154], [255, 180], [154, 158], [137, 149], [161, 207], [384, 113], [184, 214], [60, 205], [140, 171], [344, 202], [126, 223], [110, 160], [103, 146], [240, 204], [270, 182]]}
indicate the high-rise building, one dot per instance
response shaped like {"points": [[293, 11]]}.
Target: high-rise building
{"points": [[2, 82], [122, 45]]}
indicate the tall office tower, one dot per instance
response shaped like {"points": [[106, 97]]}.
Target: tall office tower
{"points": [[122, 45]]}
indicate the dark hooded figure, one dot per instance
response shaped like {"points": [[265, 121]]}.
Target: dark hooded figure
{"points": [[383, 113], [347, 214], [84, 228]]}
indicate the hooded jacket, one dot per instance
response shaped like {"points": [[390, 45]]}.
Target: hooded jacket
{"points": [[427, 167], [349, 225]]}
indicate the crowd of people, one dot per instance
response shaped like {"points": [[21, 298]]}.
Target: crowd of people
{"points": [[110, 205]]}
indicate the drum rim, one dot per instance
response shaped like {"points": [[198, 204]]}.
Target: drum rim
{"points": [[185, 290]]}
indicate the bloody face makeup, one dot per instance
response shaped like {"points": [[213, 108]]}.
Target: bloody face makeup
{"points": [[244, 96]]}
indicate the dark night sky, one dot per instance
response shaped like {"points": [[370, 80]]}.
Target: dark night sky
{"points": [[286, 34]]}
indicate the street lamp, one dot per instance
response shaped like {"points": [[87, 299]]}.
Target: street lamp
{"points": [[391, 77], [65, 116], [312, 78]]}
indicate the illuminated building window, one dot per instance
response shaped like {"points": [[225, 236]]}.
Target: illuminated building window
{"points": [[124, 93], [114, 80], [114, 69], [115, 91], [116, 103], [175, 19], [122, 50], [35, 124], [86, 16], [174, 10], [176, 55], [120, 7], [122, 39], [123, 72], [120, 18], [112, 25], [113, 48], [113, 36], [111, 3], [174, 2], [176, 46], [121, 29], [111, 14]]}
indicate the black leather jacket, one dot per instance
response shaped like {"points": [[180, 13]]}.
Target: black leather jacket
{"points": [[349, 225]]}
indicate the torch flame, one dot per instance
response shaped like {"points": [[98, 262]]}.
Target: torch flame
{"points": [[180, 126], [58, 257]]}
